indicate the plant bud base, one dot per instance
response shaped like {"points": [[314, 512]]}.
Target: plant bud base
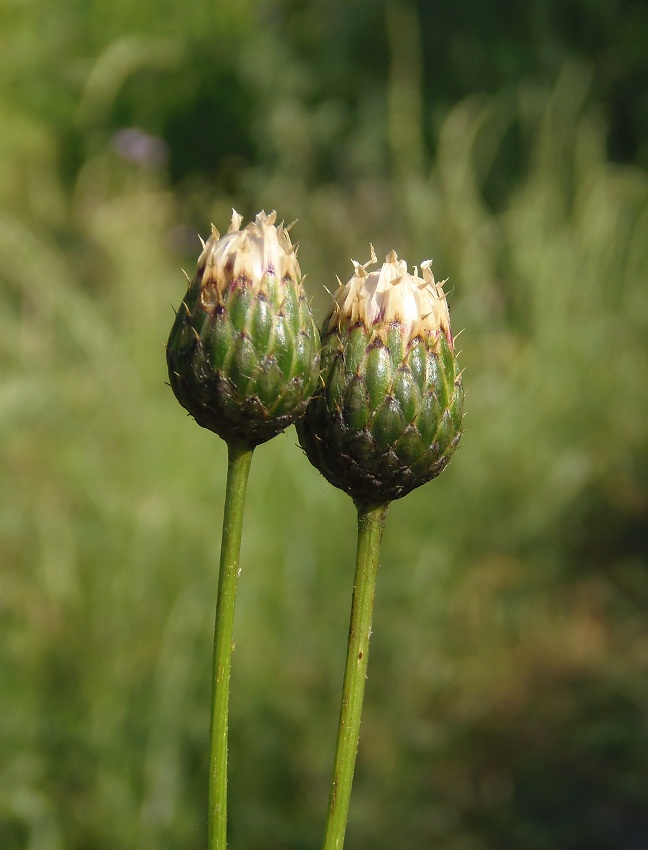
{"points": [[244, 362], [387, 417]]}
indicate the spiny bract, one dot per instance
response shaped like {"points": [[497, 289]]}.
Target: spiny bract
{"points": [[388, 414], [243, 353]]}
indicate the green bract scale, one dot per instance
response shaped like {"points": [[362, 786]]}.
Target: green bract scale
{"points": [[243, 353], [387, 416]]}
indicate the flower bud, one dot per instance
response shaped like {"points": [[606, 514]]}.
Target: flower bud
{"points": [[388, 415], [243, 353]]}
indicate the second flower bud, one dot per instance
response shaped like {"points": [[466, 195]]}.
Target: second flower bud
{"points": [[387, 417]]}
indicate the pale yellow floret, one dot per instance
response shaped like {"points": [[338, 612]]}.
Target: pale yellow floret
{"points": [[258, 250], [380, 298]]}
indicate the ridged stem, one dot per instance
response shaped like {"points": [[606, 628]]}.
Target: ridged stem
{"points": [[371, 519], [238, 468]]}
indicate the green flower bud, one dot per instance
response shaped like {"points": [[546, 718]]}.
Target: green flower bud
{"points": [[388, 415], [243, 353]]}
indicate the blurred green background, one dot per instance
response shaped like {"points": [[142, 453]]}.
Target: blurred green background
{"points": [[507, 702]]}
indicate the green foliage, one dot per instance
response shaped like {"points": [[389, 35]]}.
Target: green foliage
{"points": [[505, 703]]}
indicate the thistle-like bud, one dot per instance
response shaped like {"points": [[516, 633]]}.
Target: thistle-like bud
{"points": [[243, 353], [388, 415]]}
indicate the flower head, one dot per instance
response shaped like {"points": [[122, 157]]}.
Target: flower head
{"points": [[243, 353], [379, 298], [247, 257], [388, 415]]}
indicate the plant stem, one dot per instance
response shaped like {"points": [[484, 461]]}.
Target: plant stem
{"points": [[238, 468], [371, 519]]}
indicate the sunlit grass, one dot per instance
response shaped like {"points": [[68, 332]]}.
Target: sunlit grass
{"points": [[512, 626]]}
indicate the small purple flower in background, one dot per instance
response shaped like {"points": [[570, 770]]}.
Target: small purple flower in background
{"points": [[136, 146]]}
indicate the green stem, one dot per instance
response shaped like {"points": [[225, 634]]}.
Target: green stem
{"points": [[371, 520], [238, 468]]}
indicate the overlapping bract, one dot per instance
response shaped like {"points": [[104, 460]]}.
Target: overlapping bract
{"points": [[243, 353], [388, 414]]}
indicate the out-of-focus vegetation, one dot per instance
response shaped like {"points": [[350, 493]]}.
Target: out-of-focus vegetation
{"points": [[507, 699]]}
